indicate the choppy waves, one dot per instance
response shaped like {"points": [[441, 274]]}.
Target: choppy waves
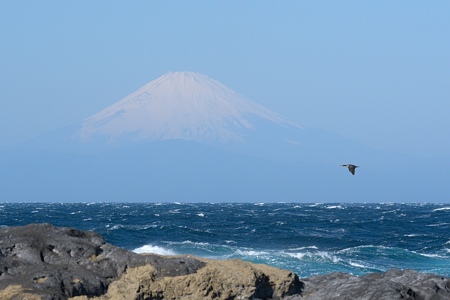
{"points": [[309, 239]]}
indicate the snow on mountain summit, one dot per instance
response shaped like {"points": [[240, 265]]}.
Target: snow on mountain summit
{"points": [[180, 105]]}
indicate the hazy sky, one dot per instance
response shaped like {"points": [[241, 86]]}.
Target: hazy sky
{"points": [[374, 71]]}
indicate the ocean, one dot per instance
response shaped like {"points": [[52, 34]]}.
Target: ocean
{"points": [[307, 238]]}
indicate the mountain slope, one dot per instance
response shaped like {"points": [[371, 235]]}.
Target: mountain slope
{"points": [[180, 105]]}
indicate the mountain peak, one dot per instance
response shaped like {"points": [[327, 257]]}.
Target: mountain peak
{"points": [[180, 105]]}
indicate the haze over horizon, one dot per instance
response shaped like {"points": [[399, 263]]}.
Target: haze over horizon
{"points": [[376, 73], [185, 137]]}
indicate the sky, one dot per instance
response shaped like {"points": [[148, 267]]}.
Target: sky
{"points": [[377, 72]]}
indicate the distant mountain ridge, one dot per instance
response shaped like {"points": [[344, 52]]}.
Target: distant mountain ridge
{"points": [[181, 105]]}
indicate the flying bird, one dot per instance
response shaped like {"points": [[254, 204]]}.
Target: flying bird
{"points": [[351, 168]]}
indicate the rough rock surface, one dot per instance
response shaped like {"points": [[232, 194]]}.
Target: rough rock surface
{"points": [[230, 279], [57, 263], [40, 261], [393, 284]]}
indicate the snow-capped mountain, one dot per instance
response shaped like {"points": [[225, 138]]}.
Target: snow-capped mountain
{"points": [[186, 106]]}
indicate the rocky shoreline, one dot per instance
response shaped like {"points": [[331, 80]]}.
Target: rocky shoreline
{"points": [[41, 261]]}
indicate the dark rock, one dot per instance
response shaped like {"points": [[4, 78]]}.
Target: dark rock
{"points": [[57, 263], [393, 284]]}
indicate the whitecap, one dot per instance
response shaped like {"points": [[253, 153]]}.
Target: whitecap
{"points": [[334, 207], [436, 225], [304, 248], [360, 248], [391, 211], [192, 243], [414, 235], [154, 249], [327, 256], [115, 227], [299, 256], [442, 208], [432, 255], [251, 253], [429, 255], [357, 265], [316, 256]]}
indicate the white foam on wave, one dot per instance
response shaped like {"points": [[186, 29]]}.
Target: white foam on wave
{"points": [[115, 227], [252, 253], [299, 256], [413, 235], [357, 265], [437, 224], [334, 207], [442, 208], [316, 256], [131, 227], [188, 242], [432, 255], [362, 247], [202, 248], [304, 248], [154, 250], [429, 255]]}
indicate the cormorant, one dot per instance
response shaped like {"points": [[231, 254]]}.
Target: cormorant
{"points": [[351, 168]]}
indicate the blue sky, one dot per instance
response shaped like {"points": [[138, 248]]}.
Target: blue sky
{"points": [[377, 72]]}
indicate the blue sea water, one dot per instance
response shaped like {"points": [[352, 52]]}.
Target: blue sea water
{"points": [[306, 238]]}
